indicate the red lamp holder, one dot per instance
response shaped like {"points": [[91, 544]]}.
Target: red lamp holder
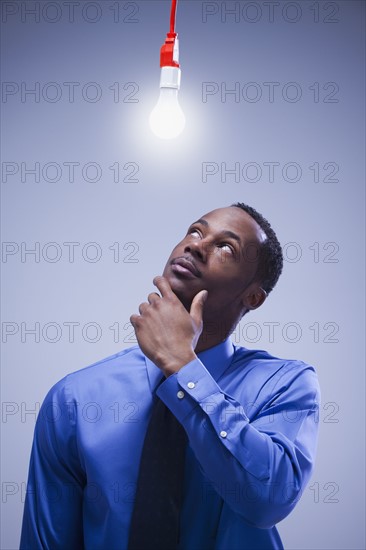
{"points": [[168, 51]]}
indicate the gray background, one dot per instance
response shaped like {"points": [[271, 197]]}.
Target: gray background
{"points": [[312, 127]]}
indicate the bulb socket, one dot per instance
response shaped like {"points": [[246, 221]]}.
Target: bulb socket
{"points": [[170, 77]]}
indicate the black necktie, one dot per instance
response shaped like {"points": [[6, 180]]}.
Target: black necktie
{"points": [[155, 516]]}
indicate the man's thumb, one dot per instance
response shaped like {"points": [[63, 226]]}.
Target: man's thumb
{"points": [[197, 305]]}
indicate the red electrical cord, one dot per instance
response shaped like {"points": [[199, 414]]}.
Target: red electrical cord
{"points": [[172, 16], [168, 58]]}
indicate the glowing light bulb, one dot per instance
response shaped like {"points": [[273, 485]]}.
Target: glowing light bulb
{"points": [[167, 119]]}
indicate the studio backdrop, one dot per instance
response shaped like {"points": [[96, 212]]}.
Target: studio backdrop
{"points": [[93, 202]]}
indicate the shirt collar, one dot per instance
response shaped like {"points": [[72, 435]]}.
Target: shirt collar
{"points": [[216, 360]]}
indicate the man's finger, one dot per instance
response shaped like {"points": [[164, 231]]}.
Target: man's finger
{"points": [[143, 307], [134, 318], [197, 306], [153, 297], [163, 286]]}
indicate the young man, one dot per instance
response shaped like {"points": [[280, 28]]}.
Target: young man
{"points": [[248, 419]]}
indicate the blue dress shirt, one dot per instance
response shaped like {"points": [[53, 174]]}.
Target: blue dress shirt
{"points": [[251, 420]]}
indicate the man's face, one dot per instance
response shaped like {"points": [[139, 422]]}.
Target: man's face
{"points": [[218, 254]]}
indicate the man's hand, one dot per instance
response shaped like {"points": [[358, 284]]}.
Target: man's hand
{"points": [[166, 332]]}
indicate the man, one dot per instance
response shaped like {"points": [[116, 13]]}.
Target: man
{"points": [[249, 418]]}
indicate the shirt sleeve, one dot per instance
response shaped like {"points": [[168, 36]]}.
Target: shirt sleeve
{"points": [[260, 466], [53, 507]]}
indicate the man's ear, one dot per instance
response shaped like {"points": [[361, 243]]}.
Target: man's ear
{"points": [[253, 296]]}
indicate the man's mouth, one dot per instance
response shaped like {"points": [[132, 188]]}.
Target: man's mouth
{"points": [[185, 266]]}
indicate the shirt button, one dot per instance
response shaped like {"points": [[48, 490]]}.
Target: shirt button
{"points": [[180, 394], [191, 385], [223, 433]]}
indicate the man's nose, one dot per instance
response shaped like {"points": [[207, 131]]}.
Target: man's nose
{"points": [[199, 249]]}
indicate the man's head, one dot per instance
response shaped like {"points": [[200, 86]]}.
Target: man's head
{"points": [[231, 252]]}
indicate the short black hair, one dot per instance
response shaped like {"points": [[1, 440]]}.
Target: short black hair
{"points": [[270, 257]]}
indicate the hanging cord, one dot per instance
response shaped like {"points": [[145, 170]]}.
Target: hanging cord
{"points": [[169, 53], [172, 16]]}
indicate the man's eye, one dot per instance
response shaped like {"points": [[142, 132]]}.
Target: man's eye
{"points": [[194, 232], [226, 247]]}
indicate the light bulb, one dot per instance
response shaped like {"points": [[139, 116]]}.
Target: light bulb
{"points": [[167, 119]]}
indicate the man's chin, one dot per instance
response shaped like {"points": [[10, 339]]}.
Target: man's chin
{"points": [[181, 290]]}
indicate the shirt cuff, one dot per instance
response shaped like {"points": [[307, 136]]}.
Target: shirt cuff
{"points": [[188, 388]]}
